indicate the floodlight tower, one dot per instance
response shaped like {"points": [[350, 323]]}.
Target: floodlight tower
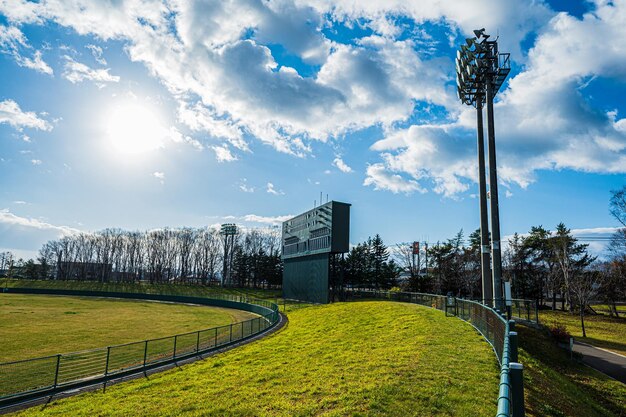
{"points": [[481, 70], [228, 229]]}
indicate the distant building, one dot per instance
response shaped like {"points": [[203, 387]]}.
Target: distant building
{"points": [[88, 271]]}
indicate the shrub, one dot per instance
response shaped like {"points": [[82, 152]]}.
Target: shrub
{"points": [[560, 333]]}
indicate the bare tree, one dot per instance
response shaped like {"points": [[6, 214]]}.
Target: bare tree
{"points": [[572, 259], [583, 286], [403, 255]]}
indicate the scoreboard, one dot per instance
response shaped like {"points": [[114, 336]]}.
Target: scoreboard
{"points": [[324, 229], [308, 241]]}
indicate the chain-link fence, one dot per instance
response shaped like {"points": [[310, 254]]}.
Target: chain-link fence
{"points": [[494, 327], [25, 377]]}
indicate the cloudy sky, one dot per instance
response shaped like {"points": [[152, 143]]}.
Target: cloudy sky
{"points": [[146, 113]]}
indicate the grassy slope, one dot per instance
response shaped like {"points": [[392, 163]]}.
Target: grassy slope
{"points": [[170, 289], [355, 359], [604, 309], [39, 325], [602, 331], [556, 386]]}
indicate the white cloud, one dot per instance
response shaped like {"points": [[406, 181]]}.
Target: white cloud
{"points": [[177, 137], [246, 189], [214, 58], [341, 165], [11, 113], [237, 80], [8, 218], [96, 51], [603, 231], [200, 118], [223, 154], [36, 161], [24, 235], [266, 219], [544, 119], [160, 176], [381, 179], [77, 72], [36, 63], [14, 43], [243, 186], [271, 190]]}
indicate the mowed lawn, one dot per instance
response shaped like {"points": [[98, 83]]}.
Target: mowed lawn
{"points": [[602, 331], [344, 359], [40, 325]]}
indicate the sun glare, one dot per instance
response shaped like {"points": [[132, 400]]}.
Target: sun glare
{"points": [[133, 129]]}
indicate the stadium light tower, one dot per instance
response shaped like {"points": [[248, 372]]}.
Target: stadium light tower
{"points": [[480, 72], [228, 230]]}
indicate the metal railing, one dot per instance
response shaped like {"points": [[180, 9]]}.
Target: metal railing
{"points": [[521, 309], [26, 378], [499, 332]]}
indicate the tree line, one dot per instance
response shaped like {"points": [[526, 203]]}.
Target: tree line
{"points": [[552, 267], [367, 265], [186, 255]]}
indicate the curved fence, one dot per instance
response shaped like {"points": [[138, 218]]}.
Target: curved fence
{"points": [[23, 379], [498, 331]]}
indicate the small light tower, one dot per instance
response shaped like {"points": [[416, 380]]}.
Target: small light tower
{"points": [[480, 72], [228, 230]]}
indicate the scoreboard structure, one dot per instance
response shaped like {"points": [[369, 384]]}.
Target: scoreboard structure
{"points": [[308, 242]]}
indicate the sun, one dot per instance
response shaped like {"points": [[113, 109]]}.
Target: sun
{"points": [[134, 129]]}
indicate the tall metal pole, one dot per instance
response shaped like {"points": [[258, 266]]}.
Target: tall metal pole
{"points": [[496, 257], [418, 262], [487, 283], [426, 259]]}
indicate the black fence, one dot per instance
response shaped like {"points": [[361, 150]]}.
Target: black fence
{"points": [[26, 378]]}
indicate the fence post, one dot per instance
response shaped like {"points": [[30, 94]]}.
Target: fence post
{"points": [[513, 345], [231, 333], [517, 388], [198, 342], [527, 310], [175, 341], [106, 366], [215, 343], [145, 354], [512, 325], [537, 312], [56, 373]]}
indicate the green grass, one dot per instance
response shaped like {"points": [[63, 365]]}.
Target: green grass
{"points": [[344, 359], [169, 289], [605, 309], [556, 386], [602, 331], [40, 325]]}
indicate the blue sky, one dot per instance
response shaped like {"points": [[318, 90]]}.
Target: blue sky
{"points": [[144, 114]]}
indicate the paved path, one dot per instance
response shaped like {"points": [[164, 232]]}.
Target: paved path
{"points": [[612, 364]]}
